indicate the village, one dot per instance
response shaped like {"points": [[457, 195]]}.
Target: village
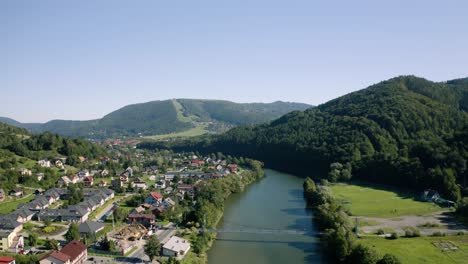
{"points": [[98, 213]]}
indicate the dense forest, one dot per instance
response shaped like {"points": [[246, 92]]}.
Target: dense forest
{"points": [[406, 131], [164, 117]]}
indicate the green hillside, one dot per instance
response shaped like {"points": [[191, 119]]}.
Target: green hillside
{"points": [[21, 149], [406, 131], [167, 118]]}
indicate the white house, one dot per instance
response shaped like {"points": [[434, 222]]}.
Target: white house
{"points": [[44, 163], [176, 247]]}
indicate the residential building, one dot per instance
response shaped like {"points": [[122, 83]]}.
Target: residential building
{"points": [[74, 252], [90, 227], [154, 198], [7, 260], [18, 192], [44, 163], [176, 247], [88, 181]]}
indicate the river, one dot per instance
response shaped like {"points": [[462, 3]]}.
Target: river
{"points": [[275, 202]]}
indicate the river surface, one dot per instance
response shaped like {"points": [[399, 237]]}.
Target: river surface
{"points": [[275, 202]]}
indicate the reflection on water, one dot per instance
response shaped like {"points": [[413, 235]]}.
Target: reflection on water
{"points": [[276, 202]]}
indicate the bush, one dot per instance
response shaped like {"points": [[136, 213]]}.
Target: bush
{"points": [[460, 233], [394, 235], [48, 229], [380, 231], [412, 232], [389, 259], [438, 234]]}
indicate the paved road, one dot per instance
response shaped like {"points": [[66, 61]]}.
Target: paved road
{"points": [[110, 206], [139, 255]]}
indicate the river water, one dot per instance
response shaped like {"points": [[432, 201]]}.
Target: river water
{"points": [[276, 203]]}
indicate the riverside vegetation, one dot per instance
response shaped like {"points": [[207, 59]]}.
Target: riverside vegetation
{"points": [[339, 241]]}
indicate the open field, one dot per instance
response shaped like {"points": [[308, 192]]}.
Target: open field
{"points": [[196, 131], [363, 200], [10, 205], [421, 249]]}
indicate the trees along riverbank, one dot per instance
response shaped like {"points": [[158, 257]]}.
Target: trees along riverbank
{"points": [[209, 204], [338, 240]]}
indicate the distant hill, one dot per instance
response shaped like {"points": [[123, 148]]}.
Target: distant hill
{"points": [[166, 117], [406, 131]]}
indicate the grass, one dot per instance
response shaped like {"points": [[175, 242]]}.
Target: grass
{"points": [[196, 131], [420, 249], [363, 200], [99, 210], [11, 205]]}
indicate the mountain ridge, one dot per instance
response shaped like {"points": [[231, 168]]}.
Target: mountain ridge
{"points": [[165, 117]]}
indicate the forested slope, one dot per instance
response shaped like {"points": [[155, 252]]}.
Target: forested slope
{"points": [[406, 131]]}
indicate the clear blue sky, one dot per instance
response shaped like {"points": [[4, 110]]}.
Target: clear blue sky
{"points": [[84, 59]]}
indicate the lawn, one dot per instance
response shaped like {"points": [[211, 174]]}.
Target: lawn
{"points": [[377, 201], [421, 249], [10, 205]]}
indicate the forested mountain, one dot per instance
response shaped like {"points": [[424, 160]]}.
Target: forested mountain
{"points": [[164, 117], [406, 131]]}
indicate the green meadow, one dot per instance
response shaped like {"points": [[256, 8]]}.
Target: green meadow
{"points": [[377, 201]]}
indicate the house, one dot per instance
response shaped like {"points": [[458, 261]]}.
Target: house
{"points": [[83, 173], [44, 163], [143, 219], [73, 178], [64, 181], [74, 252], [169, 176], [154, 198], [124, 178], [233, 168], [88, 181], [18, 192], [103, 183], [7, 260], [168, 202], [81, 159], [168, 190], [104, 173], [160, 185], [10, 240], [90, 227], [25, 172], [2, 194], [139, 184], [176, 247], [40, 176], [59, 163]]}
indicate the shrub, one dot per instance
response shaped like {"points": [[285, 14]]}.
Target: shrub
{"points": [[412, 232], [394, 235], [48, 229], [460, 233], [380, 231], [438, 234], [389, 259]]}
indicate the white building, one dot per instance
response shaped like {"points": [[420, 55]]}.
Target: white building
{"points": [[176, 247]]}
